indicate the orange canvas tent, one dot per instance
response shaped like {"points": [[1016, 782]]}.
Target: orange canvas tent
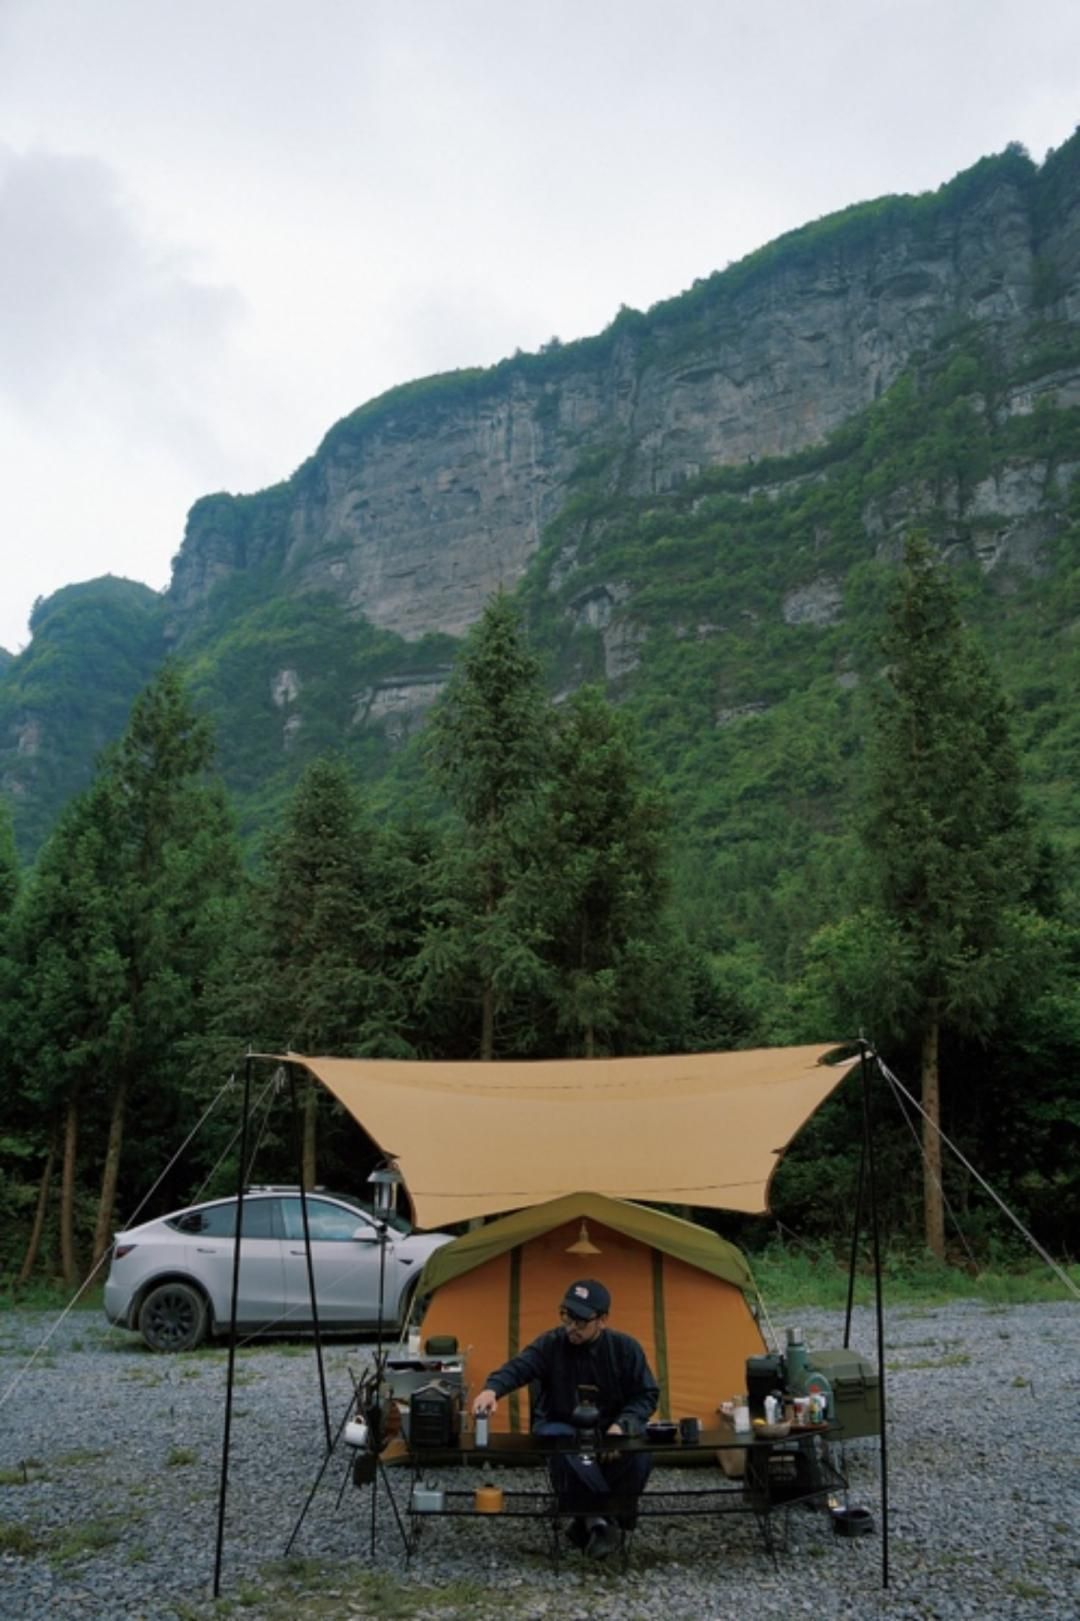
{"points": [[677, 1288]]}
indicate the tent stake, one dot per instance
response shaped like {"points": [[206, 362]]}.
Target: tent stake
{"points": [[223, 1489], [868, 1145]]}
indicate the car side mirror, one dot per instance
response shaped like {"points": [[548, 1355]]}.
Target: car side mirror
{"points": [[366, 1235]]}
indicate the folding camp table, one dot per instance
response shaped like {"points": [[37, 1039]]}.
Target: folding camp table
{"points": [[761, 1477]]}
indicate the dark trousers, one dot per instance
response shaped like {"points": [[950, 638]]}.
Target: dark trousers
{"points": [[582, 1483]]}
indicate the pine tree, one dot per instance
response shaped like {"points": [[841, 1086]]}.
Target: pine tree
{"points": [[488, 748], [600, 884], [118, 930], [322, 972], [946, 833]]}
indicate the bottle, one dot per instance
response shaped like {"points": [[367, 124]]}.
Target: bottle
{"points": [[797, 1362], [742, 1416], [480, 1438]]}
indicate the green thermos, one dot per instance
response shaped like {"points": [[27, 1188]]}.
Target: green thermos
{"points": [[796, 1362]]}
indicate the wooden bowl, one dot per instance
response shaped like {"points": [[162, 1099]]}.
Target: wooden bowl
{"points": [[772, 1432]]}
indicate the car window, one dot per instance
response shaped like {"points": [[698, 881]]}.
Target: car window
{"points": [[325, 1221], [399, 1223], [219, 1220]]}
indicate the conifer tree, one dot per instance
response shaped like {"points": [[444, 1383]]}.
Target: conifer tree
{"points": [[946, 834], [118, 930], [600, 882], [488, 748], [323, 973]]}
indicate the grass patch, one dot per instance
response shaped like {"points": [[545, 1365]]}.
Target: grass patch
{"points": [[22, 1473], [316, 1586], [89, 1537], [1025, 1589], [80, 1456], [48, 1295], [17, 1540], [808, 1276], [180, 1457]]}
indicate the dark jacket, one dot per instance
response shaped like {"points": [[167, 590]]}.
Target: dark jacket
{"points": [[627, 1393]]}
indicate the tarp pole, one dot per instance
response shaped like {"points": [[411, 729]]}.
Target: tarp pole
{"points": [[855, 1234], [307, 1254], [868, 1145], [240, 1177]]}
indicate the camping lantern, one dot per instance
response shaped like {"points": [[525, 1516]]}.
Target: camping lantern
{"points": [[385, 1182]]}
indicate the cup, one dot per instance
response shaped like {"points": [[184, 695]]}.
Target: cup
{"points": [[689, 1431], [801, 1409]]}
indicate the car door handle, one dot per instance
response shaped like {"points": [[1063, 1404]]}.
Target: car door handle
{"points": [[206, 1249]]}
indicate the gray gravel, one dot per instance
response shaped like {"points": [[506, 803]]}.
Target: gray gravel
{"points": [[110, 1458]]}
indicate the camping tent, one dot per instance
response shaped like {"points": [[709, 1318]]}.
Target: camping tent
{"points": [[676, 1287], [479, 1139]]}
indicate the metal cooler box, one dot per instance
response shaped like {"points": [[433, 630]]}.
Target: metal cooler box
{"points": [[856, 1391]]}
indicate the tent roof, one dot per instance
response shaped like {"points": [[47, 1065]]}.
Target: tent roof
{"points": [[475, 1139], [683, 1239]]}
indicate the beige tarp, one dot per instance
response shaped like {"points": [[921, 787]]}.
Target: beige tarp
{"points": [[476, 1139]]}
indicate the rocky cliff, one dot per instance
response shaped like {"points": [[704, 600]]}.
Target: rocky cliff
{"points": [[688, 503], [414, 510]]}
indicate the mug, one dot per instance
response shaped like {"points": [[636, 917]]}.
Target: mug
{"points": [[689, 1431]]}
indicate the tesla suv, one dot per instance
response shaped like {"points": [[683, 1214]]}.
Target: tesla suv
{"points": [[172, 1279]]}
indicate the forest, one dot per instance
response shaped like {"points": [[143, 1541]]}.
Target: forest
{"points": [[534, 898]]}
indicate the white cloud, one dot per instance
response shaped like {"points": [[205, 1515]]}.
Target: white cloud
{"points": [[225, 226]]}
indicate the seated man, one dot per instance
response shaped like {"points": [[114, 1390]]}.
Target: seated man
{"points": [[584, 1352]]}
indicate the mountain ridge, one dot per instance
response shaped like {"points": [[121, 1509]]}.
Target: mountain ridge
{"points": [[700, 506]]}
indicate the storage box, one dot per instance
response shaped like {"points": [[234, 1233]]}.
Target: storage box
{"points": [[856, 1391]]}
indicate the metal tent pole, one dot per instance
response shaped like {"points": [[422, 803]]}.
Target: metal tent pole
{"points": [[855, 1231], [868, 1144], [310, 1263], [240, 1178]]}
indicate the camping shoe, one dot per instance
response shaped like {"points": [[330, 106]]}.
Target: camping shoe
{"points": [[604, 1539], [578, 1534]]}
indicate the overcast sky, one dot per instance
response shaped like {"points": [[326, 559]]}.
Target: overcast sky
{"points": [[226, 223]]}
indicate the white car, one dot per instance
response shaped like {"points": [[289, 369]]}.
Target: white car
{"points": [[172, 1279]]}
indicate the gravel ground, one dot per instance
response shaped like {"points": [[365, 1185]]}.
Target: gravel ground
{"points": [[110, 1457]]}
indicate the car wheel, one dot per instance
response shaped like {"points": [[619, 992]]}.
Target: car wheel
{"points": [[173, 1318]]}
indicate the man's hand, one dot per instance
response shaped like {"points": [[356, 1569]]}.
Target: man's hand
{"points": [[485, 1403]]}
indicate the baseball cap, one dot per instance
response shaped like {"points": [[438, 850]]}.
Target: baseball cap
{"points": [[586, 1299]]}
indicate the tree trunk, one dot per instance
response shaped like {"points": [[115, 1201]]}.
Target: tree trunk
{"points": [[107, 1201], [67, 1193], [311, 1105], [487, 1024], [34, 1244], [933, 1202]]}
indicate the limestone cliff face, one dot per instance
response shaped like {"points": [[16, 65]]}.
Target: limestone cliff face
{"points": [[415, 512]]}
